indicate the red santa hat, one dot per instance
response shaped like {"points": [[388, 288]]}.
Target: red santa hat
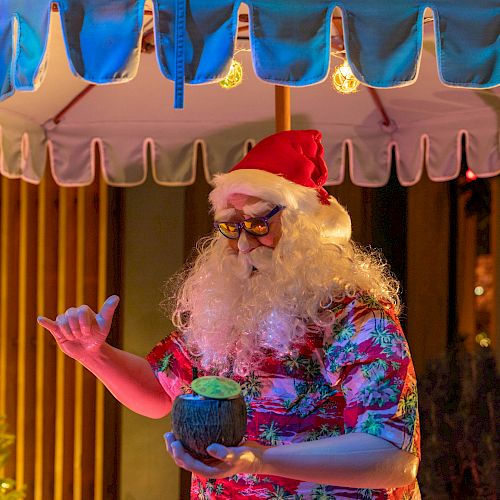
{"points": [[287, 168]]}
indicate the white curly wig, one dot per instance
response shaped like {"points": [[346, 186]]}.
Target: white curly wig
{"points": [[229, 322]]}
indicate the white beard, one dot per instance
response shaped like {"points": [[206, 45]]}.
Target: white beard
{"points": [[235, 316], [233, 308]]}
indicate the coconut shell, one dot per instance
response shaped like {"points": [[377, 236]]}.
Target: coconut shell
{"points": [[198, 422]]}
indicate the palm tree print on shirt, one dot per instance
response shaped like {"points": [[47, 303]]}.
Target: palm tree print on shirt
{"points": [[165, 363], [323, 492], [408, 406], [311, 369], [270, 434], [365, 494], [251, 387], [279, 493], [378, 392], [343, 330], [384, 334], [293, 363], [376, 369], [340, 355], [323, 432], [373, 424]]}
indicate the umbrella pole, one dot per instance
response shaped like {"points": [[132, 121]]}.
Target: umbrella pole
{"points": [[282, 108]]}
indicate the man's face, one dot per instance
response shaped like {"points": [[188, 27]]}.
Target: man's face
{"points": [[242, 206]]}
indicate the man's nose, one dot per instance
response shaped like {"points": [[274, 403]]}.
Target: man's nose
{"points": [[246, 243]]}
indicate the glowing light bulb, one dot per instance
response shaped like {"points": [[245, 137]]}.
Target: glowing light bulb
{"points": [[485, 342], [470, 175], [479, 290], [343, 79], [234, 76]]}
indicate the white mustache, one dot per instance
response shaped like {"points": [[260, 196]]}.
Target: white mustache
{"points": [[259, 259], [262, 258]]}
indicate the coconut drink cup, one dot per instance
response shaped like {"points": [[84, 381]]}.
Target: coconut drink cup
{"points": [[214, 413]]}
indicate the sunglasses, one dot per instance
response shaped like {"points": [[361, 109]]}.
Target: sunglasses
{"points": [[256, 226]]}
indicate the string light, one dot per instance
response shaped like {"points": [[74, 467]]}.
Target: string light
{"points": [[483, 340], [234, 76], [470, 175], [343, 79]]}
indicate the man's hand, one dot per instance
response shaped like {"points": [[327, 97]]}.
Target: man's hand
{"points": [[80, 332], [245, 459]]}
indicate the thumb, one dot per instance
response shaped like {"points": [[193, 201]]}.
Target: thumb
{"points": [[108, 309], [218, 451], [48, 324]]}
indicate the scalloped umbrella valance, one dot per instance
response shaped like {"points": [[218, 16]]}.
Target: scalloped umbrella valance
{"points": [[290, 40], [131, 131]]}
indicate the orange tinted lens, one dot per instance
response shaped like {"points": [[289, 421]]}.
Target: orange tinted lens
{"points": [[229, 230], [256, 226]]}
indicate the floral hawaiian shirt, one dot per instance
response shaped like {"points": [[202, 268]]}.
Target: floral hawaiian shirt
{"points": [[355, 376]]}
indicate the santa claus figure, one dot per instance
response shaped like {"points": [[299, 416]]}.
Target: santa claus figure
{"points": [[281, 300]]}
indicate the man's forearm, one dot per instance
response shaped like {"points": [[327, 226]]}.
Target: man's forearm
{"points": [[130, 379], [355, 460]]}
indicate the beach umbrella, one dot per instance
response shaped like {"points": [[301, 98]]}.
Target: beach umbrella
{"points": [[435, 87]]}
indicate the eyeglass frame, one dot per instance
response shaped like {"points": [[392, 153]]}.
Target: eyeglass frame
{"points": [[240, 225]]}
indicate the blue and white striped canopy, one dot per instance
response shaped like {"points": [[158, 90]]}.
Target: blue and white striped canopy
{"points": [[290, 40]]}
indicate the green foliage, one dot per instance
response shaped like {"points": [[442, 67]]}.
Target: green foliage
{"points": [[459, 400], [7, 485]]}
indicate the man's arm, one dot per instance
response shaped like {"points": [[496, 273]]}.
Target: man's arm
{"points": [[355, 460], [131, 381], [81, 334]]}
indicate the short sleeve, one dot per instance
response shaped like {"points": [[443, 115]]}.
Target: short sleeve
{"points": [[172, 365], [366, 355]]}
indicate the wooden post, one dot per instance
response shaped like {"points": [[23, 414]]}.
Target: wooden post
{"points": [[197, 223], [102, 274], [9, 302], [282, 108], [46, 305]]}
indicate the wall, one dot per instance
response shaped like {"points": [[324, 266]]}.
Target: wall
{"points": [[153, 251]]}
